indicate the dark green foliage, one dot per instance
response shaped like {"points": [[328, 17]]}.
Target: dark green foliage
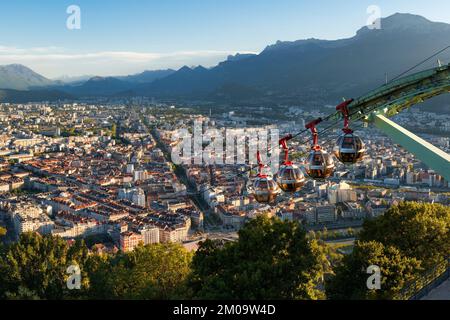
{"points": [[149, 272], [114, 130], [418, 230], [35, 267], [350, 281], [406, 241], [271, 260], [2, 232]]}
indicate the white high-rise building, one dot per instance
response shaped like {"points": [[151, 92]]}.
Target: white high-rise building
{"points": [[150, 234], [140, 175], [28, 218], [410, 178], [138, 197], [130, 168], [432, 180], [341, 192]]}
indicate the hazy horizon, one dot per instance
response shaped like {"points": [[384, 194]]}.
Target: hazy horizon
{"points": [[121, 38]]}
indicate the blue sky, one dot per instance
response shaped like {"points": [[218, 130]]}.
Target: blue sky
{"points": [[122, 37]]}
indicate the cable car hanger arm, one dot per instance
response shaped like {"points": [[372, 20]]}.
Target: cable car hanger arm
{"points": [[312, 126], [343, 108]]}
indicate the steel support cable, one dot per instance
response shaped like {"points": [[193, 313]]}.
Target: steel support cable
{"points": [[420, 63]]}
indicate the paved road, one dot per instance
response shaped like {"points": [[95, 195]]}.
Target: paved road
{"points": [[344, 242], [440, 293], [182, 176]]}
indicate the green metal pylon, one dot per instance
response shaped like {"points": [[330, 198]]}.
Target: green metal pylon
{"points": [[432, 156]]}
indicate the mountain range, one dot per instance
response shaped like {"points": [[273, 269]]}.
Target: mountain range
{"points": [[289, 71], [19, 77]]}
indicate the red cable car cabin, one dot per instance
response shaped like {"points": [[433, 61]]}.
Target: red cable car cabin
{"points": [[320, 164], [265, 189], [289, 177], [349, 147]]}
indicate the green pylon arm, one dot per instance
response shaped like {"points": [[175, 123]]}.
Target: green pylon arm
{"points": [[432, 156]]}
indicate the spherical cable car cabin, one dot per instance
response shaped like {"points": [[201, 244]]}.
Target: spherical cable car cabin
{"points": [[265, 189], [289, 177], [349, 147], [319, 164]]}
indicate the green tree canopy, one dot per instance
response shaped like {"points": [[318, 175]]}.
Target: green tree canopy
{"points": [[114, 130], [418, 230], [271, 260], [155, 271], [2, 232], [350, 281], [35, 267]]}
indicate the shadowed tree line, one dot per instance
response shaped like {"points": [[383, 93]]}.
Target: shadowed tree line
{"points": [[271, 260]]}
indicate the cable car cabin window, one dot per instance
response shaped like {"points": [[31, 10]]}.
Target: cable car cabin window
{"points": [[272, 185], [296, 174], [262, 184], [288, 174], [347, 157], [317, 160], [348, 143]]}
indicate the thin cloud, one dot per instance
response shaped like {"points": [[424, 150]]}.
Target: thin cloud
{"points": [[55, 61]]}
